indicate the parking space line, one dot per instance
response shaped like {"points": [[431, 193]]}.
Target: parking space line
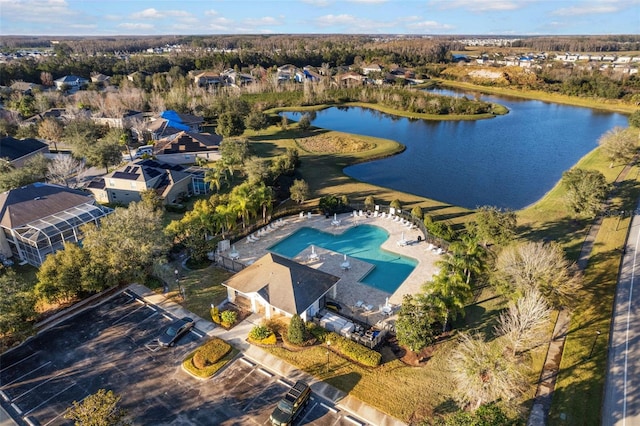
{"points": [[37, 386], [4, 396], [15, 407], [49, 399], [246, 361], [197, 334], [265, 372], [130, 313], [354, 421], [18, 362], [26, 374], [332, 409], [29, 421], [284, 382], [167, 316]]}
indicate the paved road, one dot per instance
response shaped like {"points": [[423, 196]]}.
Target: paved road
{"points": [[621, 405]]}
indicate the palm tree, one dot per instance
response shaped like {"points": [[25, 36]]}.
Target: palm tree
{"points": [[241, 198], [469, 256], [215, 177], [449, 292], [263, 197]]}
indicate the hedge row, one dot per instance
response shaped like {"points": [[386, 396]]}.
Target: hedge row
{"points": [[354, 351]]}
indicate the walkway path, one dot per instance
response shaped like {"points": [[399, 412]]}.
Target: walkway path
{"points": [[546, 385]]}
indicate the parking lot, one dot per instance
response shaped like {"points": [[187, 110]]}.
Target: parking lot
{"points": [[112, 346]]}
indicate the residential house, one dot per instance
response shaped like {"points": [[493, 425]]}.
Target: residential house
{"points": [[72, 82], [170, 123], [37, 219], [100, 78], [125, 120], [185, 147], [234, 78], [18, 151], [367, 69], [172, 182], [286, 72], [23, 87], [350, 79], [207, 79], [275, 285]]}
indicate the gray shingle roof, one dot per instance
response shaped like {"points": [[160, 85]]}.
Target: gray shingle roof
{"points": [[13, 149], [284, 283], [21, 206]]}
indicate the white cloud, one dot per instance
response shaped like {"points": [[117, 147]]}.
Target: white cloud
{"points": [[480, 6], [587, 9], [317, 3], [266, 20], [135, 26], [35, 10], [153, 13], [368, 1], [352, 24], [211, 12], [429, 26]]}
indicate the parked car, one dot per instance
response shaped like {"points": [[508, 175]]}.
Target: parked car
{"points": [[290, 407], [175, 331]]}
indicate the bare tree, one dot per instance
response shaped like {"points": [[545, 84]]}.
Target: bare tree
{"points": [[51, 130], [483, 374], [619, 144], [63, 168], [535, 265], [524, 323]]}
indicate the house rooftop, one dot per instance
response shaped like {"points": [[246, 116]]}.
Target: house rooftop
{"points": [[14, 149], [21, 206]]}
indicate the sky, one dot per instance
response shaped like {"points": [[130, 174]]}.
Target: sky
{"points": [[425, 17]]}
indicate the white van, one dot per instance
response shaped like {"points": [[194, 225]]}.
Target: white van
{"points": [[144, 149]]}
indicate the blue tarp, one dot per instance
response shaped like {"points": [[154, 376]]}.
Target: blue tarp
{"points": [[174, 120]]}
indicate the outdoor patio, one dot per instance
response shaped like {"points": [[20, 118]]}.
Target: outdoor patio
{"points": [[349, 290]]}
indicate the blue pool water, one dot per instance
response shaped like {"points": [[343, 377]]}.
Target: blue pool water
{"points": [[360, 242]]}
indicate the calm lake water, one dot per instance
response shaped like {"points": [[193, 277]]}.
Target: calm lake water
{"points": [[509, 161]]}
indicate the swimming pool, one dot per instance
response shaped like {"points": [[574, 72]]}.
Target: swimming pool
{"points": [[361, 242]]}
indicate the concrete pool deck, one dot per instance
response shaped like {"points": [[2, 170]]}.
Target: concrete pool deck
{"points": [[349, 289]]}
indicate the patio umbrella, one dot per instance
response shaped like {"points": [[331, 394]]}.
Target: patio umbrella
{"points": [[335, 217], [345, 257], [386, 302], [402, 239], [313, 250]]}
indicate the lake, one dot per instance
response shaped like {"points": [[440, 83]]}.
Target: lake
{"points": [[509, 161]]}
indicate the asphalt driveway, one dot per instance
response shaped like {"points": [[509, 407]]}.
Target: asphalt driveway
{"points": [[112, 346]]}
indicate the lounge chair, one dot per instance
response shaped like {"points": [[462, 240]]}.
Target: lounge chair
{"points": [[359, 304]]}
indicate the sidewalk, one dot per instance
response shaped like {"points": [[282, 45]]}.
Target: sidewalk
{"points": [[237, 337]]}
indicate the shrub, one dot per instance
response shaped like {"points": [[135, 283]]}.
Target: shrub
{"points": [[417, 212], [331, 204], [215, 315], [260, 332], [369, 202], [205, 361], [297, 330], [354, 351], [396, 204], [199, 361], [211, 352], [228, 318]]}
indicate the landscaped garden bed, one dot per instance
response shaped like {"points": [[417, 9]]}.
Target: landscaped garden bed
{"points": [[209, 358]]}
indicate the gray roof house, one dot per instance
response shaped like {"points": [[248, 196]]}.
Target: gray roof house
{"points": [[18, 151], [170, 181], [185, 147], [72, 81], [276, 285], [37, 219]]}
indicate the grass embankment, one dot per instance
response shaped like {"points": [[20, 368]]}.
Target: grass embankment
{"points": [[601, 104], [323, 171], [579, 387]]}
